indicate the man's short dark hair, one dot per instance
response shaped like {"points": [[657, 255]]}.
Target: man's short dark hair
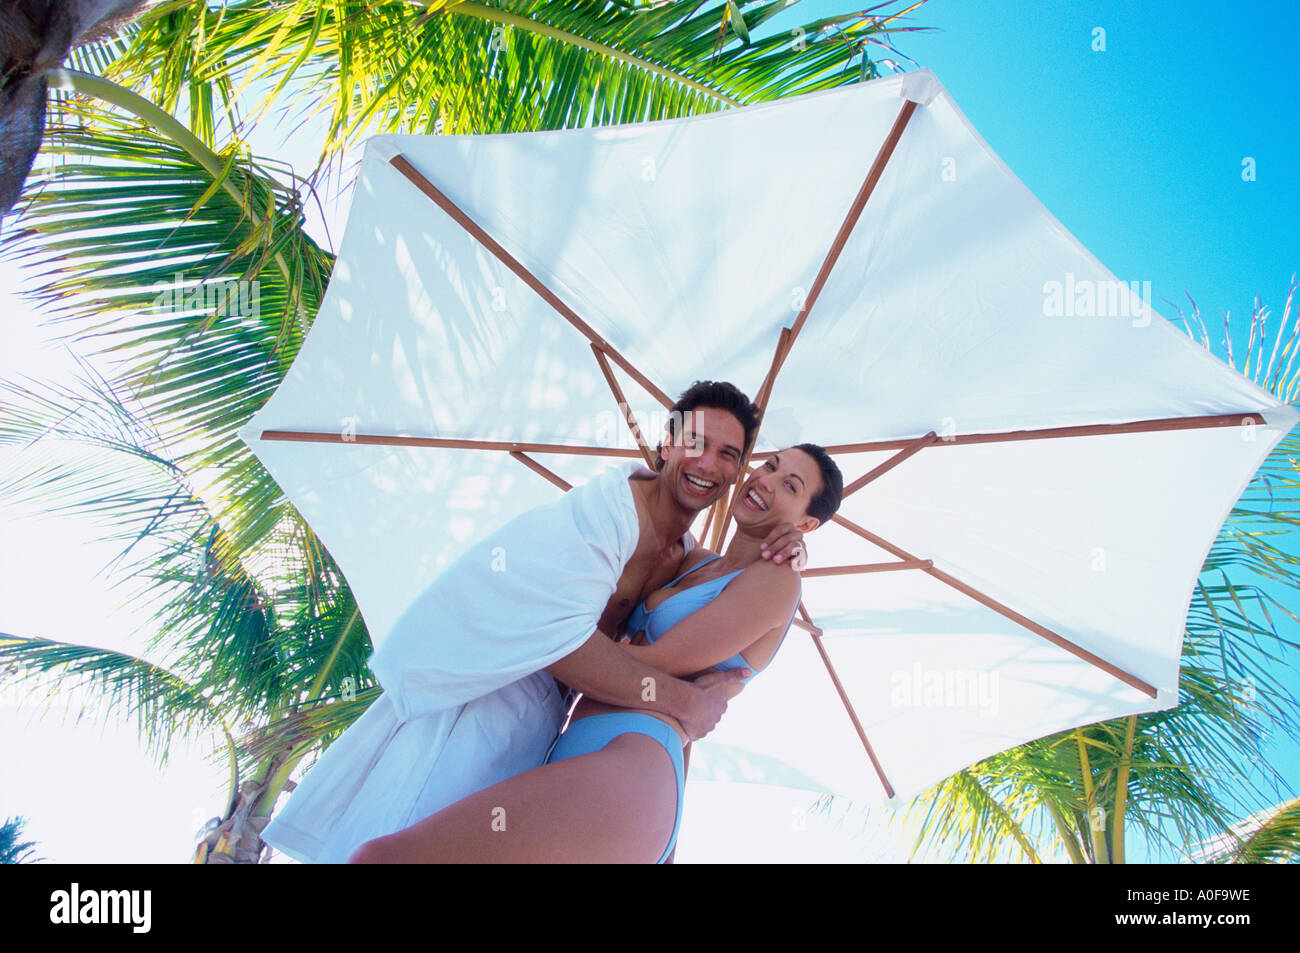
{"points": [[716, 394], [824, 505]]}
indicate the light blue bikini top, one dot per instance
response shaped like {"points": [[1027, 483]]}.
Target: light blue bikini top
{"points": [[679, 605]]}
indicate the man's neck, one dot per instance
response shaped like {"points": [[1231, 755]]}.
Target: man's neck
{"points": [[668, 519]]}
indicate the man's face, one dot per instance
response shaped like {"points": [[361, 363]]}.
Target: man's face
{"points": [[704, 460]]}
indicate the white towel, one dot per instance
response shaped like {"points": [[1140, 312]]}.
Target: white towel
{"points": [[465, 702]]}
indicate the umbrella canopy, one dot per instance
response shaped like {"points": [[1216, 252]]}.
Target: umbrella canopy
{"points": [[1037, 463]]}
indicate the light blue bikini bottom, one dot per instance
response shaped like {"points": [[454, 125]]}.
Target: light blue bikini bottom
{"points": [[594, 732]]}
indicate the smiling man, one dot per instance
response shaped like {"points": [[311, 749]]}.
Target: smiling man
{"points": [[469, 671]]}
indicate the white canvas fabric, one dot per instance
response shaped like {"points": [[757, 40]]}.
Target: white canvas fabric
{"points": [[958, 304]]}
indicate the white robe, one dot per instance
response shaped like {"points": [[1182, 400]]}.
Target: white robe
{"points": [[466, 703]]}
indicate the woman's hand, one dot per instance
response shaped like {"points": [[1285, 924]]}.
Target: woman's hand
{"points": [[786, 543]]}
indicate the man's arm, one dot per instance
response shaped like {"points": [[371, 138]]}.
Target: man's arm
{"points": [[604, 671]]}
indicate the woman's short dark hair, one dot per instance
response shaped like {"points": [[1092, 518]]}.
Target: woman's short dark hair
{"points": [[824, 505], [716, 394]]}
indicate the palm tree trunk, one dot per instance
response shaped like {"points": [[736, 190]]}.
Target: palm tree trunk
{"points": [[238, 839], [35, 37], [1121, 794], [1100, 852], [277, 779]]}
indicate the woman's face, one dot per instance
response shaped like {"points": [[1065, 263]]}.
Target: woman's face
{"points": [[780, 492]]}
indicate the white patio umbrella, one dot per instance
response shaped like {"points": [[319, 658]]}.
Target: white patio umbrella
{"points": [[1037, 462]]}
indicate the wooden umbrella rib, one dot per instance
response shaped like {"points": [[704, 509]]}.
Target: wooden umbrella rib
{"points": [[867, 567], [1158, 424], [787, 337], [1053, 637], [914, 447], [445, 443], [806, 623], [841, 239], [783, 341], [708, 520], [720, 530], [855, 211], [1137, 426], [537, 468], [624, 408], [807, 626], [403, 166]]}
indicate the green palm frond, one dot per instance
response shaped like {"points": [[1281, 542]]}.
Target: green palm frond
{"points": [[12, 850], [312, 726], [515, 65], [255, 629], [198, 288], [251, 607], [1271, 836], [976, 815], [164, 705]]}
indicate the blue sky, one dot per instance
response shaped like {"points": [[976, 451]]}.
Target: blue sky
{"points": [[1137, 149]]}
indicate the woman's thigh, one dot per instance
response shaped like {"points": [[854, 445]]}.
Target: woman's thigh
{"points": [[615, 805]]}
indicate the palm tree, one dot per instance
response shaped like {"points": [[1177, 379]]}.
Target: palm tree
{"points": [[12, 851], [1269, 836], [1076, 794], [259, 644], [35, 37]]}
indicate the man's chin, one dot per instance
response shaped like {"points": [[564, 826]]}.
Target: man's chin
{"points": [[699, 504]]}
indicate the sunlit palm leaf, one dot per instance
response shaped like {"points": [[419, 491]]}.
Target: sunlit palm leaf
{"points": [[312, 726], [254, 630], [468, 67], [163, 704], [12, 850], [201, 296], [1271, 836]]}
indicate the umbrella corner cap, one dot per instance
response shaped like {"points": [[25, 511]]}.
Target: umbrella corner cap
{"points": [[250, 432], [383, 148], [920, 86]]}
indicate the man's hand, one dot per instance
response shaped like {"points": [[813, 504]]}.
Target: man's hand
{"points": [[786, 543], [714, 688]]}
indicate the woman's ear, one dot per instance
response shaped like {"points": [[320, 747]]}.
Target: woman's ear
{"points": [[807, 524]]}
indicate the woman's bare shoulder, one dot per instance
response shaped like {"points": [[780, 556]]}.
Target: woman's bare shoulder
{"points": [[767, 569], [775, 579]]}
